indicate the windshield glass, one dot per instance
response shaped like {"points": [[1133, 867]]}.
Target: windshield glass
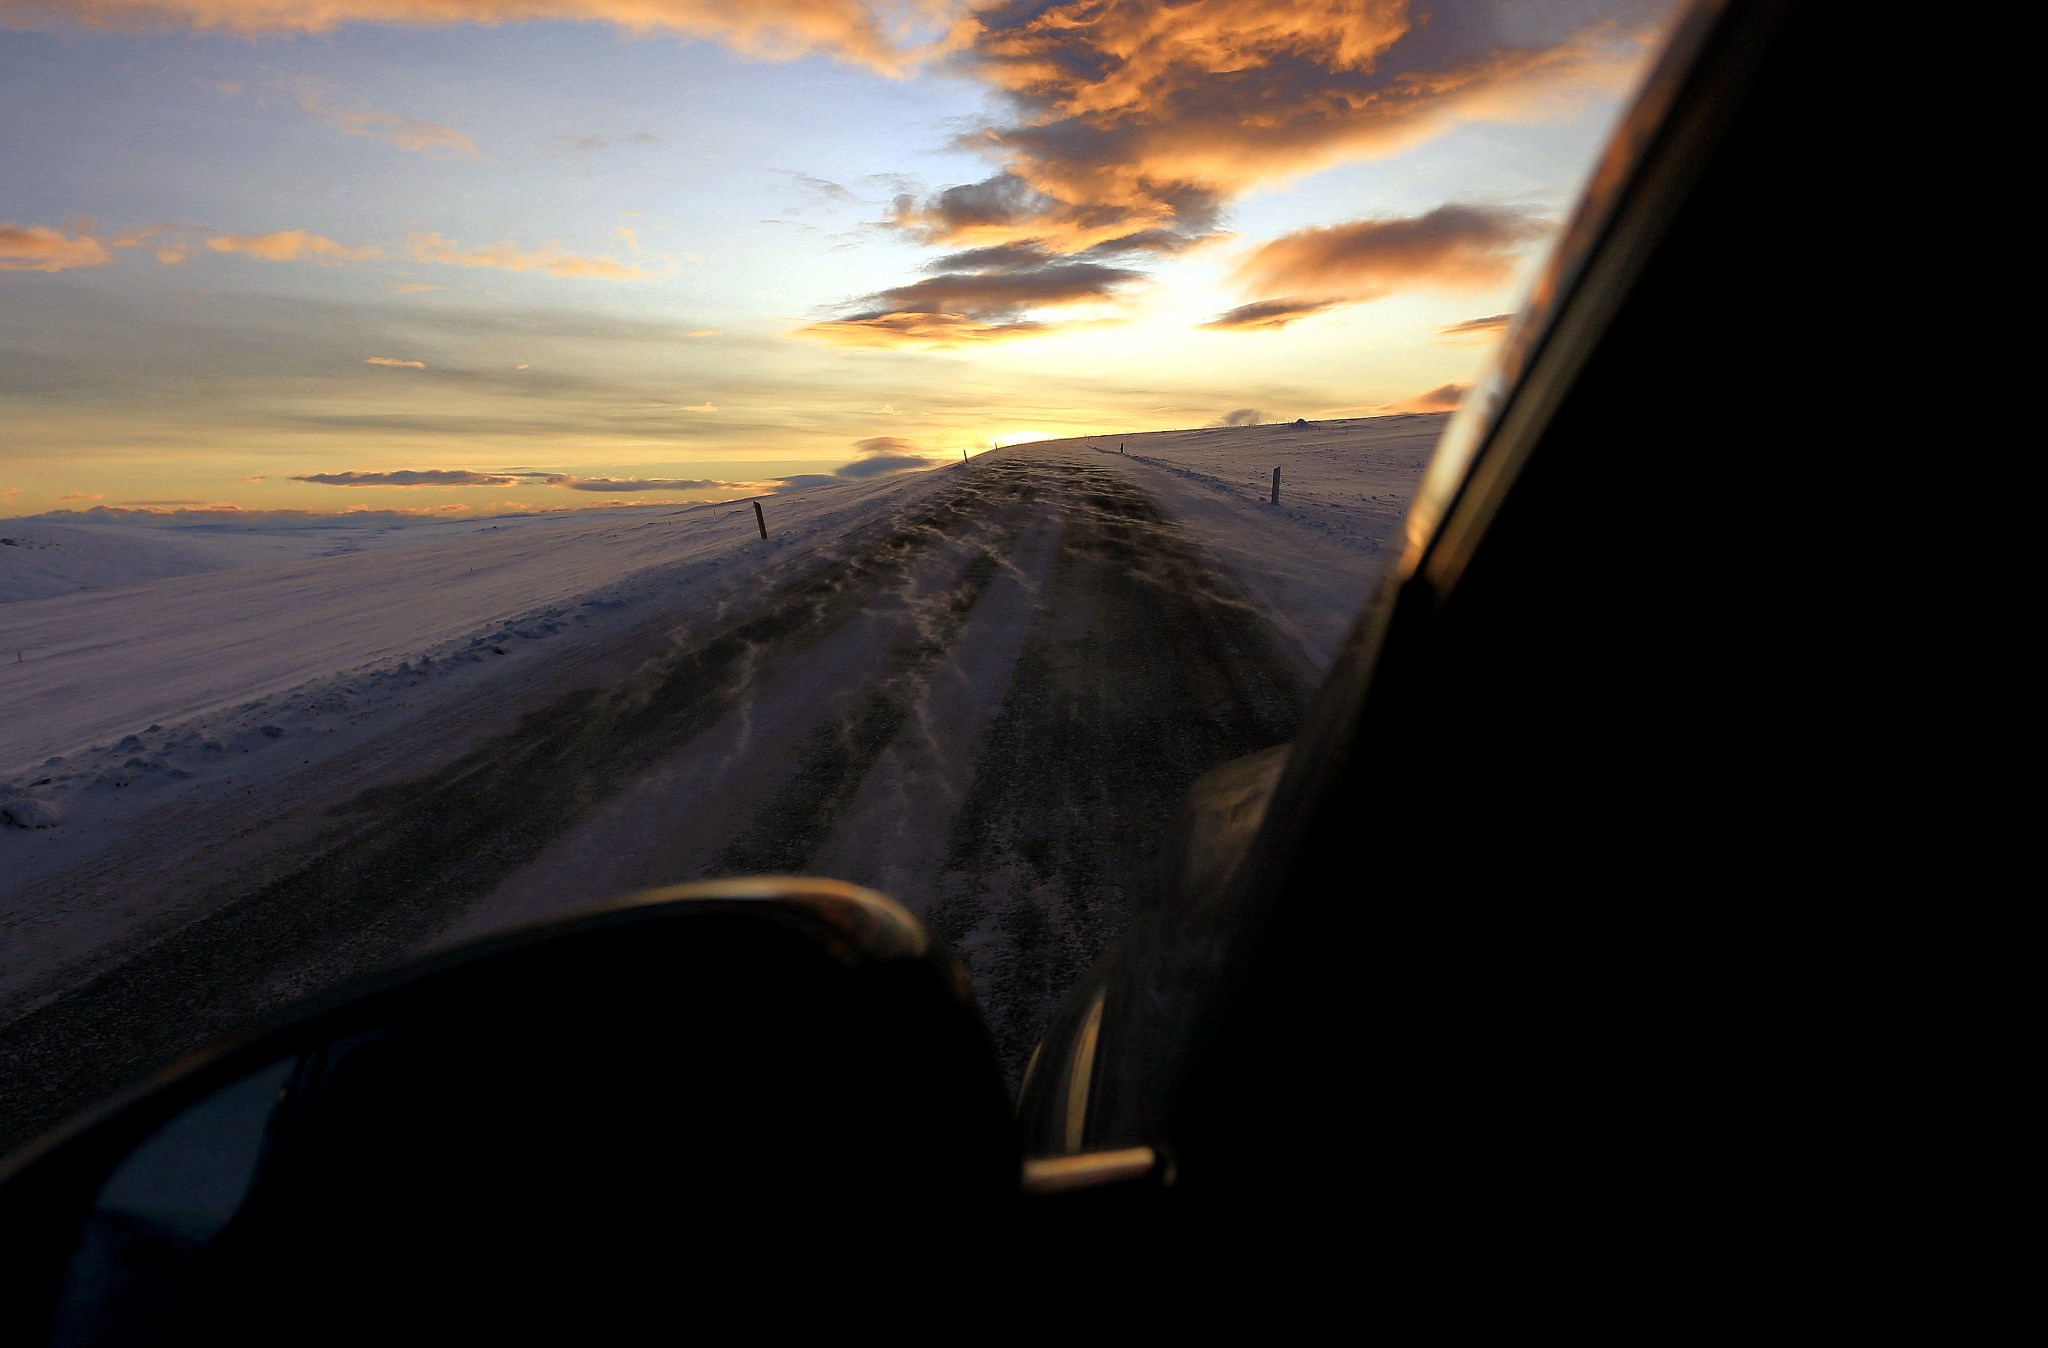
{"points": [[462, 465]]}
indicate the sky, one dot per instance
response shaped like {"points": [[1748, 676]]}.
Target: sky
{"points": [[480, 256]]}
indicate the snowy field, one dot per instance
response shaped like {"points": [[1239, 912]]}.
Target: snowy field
{"points": [[161, 676]]}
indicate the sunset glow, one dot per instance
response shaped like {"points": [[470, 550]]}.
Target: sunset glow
{"points": [[515, 255]]}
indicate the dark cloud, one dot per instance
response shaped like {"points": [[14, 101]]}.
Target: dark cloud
{"points": [[431, 477], [1002, 293], [1002, 203], [881, 455], [1270, 313], [986, 293], [1243, 416], [999, 257], [1005, 210], [881, 465]]}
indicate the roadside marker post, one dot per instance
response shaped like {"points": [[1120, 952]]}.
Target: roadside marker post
{"points": [[1276, 490], [762, 519]]}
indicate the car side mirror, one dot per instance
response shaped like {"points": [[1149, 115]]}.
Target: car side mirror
{"points": [[688, 1074]]}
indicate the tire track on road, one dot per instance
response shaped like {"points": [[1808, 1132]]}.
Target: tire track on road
{"points": [[1147, 669]]}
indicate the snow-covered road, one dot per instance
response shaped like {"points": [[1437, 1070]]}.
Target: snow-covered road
{"points": [[982, 690]]}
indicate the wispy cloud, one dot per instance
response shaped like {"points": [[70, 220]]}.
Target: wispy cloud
{"points": [[1270, 313], [38, 248], [631, 484], [590, 144], [171, 243], [508, 256], [393, 362], [887, 35], [407, 133], [432, 477], [1477, 329], [292, 245]]}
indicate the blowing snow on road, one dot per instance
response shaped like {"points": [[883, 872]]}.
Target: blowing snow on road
{"points": [[982, 690]]}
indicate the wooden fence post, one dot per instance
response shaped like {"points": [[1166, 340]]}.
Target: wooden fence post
{"points": [[1276, 489], [762, 520]]}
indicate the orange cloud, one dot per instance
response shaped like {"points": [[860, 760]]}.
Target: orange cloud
{"points": [[1452, 247], [1136, 122], [884, 34], [509, 257], [292, 245], [407, 133], [394, 363], [36, 248]]}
